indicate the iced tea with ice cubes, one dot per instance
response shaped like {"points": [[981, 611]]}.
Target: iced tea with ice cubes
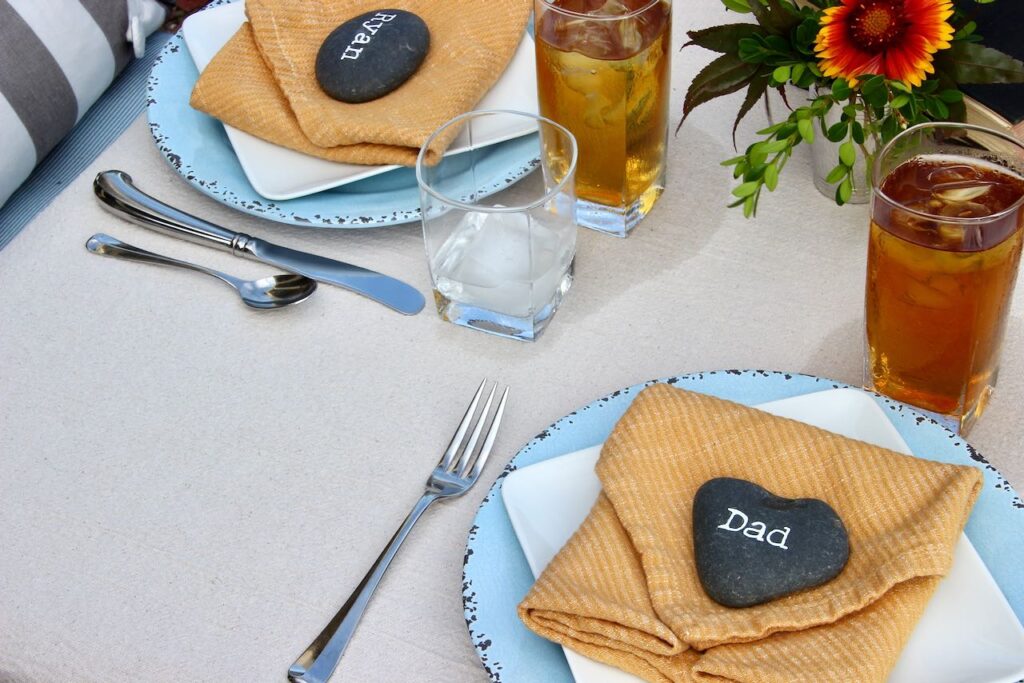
{"points": [[945, 244], [603, 73]]}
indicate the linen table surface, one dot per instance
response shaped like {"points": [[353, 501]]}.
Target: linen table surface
{"points": [[189, 489]]}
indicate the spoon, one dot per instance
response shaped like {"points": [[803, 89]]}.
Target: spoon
{"points": [[275, 291]]}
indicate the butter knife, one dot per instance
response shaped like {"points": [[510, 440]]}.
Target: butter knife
{"points": [[118, 195]]}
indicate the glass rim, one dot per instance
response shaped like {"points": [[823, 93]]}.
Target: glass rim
{"points": [[955, 220], [457, 203], [600, 17]]}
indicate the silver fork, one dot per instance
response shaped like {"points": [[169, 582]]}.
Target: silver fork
{"points": [[456, 472]]}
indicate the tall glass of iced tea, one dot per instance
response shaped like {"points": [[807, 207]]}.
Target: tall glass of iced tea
{"points": [[603, 73], [947, 224]]}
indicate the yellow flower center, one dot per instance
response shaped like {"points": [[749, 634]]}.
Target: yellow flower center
{"points": [[876, 25]]}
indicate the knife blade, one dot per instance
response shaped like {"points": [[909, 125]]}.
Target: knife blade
{"points": [[118, 195]]}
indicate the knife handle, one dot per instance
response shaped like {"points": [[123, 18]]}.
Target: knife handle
{"points": [[118, 195]]}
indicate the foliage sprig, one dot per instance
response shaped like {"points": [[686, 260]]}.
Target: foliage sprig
{"points": [[778, 51]]}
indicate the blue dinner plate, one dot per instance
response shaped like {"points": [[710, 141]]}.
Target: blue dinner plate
{"points": [[496, 576], [198, 148]]}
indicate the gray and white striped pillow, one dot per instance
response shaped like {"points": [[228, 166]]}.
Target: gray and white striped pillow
{"points": [[56, 59]]}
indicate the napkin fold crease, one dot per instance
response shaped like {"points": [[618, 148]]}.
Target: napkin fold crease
{"points": [[624, 590]]}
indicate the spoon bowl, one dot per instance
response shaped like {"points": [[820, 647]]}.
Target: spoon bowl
{"points": [[275, 291]]}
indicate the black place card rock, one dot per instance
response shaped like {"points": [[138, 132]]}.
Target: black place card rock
{"points": [[371, 55], [752, 546]]}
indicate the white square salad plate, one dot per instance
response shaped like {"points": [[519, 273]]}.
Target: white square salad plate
{"points": [[968, 633], [280, 173]]}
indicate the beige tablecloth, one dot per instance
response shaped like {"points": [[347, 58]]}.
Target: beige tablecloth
{"points": [[188, 488]]}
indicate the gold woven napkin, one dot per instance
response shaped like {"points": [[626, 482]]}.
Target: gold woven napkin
{"points": [[624, 590], [263, 80]]}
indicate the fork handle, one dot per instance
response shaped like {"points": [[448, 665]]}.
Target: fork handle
{"points": [[318, 662]]}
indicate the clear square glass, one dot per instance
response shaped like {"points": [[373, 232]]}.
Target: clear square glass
{"points": [[500, 251]]}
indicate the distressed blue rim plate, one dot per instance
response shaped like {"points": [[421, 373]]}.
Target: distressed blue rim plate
{"points": [[197, 147], [496, 577]]}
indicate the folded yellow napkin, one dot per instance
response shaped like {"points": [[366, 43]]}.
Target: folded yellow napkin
{"points": [[263, 80], [625, 591]]}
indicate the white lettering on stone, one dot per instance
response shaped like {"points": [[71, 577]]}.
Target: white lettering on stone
{"points": [[785, 534], [727, 526], [755, 530], [351, 52], [372, 25]]}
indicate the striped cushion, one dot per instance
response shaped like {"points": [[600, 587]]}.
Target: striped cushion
{"points": [[56, 59]]}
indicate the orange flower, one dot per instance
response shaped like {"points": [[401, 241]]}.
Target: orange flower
{"points": [[892, 38]]}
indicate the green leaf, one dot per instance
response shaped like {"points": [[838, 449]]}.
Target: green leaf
{"points": [[777, 44], [841, 89], [899, 101], [733, 161], [750, 206], [844, 191], [889, 128], [951, 96], [771, 178], [775, 17], [746, 189], [805, 34], [847, 154], [966, 30], [772, 146], [723, 76], [751, 50], [781, 74], [937, 108], [836, 174], [837, 131], [798, 72], [874, 91], [806, 129], [900, 85], [857, 132], [725, 38], [974, 63], [740, 6], [786, 131], [771, 129]]}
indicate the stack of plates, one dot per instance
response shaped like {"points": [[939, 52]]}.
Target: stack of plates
{"points": [[283, 185], [970, 633]]}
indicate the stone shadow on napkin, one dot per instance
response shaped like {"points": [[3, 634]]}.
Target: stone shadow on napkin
{"points": [[624, 590], [263, 81]]}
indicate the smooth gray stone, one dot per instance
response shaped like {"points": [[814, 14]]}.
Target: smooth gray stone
{"points": [[740, 563], [371, 55]]}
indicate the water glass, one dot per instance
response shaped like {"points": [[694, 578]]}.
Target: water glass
{"points": [[499, 223], [947, 226]]}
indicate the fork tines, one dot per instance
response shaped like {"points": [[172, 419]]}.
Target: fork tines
{"points": [[471, 461]]}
